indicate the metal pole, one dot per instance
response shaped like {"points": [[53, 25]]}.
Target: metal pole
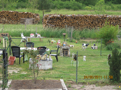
{"points": [[10, 45], [77, 68], [101, 48], [5, 68]]}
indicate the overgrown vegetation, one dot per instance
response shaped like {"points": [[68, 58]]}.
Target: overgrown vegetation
{"points": [[113, 46], [60, 4]]}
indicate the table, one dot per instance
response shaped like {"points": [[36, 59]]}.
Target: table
{"points": [[29, 48]]}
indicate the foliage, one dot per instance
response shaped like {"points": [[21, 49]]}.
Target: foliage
{"points": [[115, 67], [108, 32], [113, 1], [62, 4], [44, 4], [67, 5], [21, 5], [113, 46], [33, 4], [89, 2], [99, 7]]}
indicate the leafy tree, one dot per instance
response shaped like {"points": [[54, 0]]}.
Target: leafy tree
{"points": [[108, 32], [33, 4], [44, 5], [113, 1], [3, 4], [99, 9]]}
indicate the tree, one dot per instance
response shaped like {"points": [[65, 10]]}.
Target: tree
{"points": [[44, 5], [107, 33], [115, 62], [99, 8], [33, 4], [33, 55], [3, 4]]}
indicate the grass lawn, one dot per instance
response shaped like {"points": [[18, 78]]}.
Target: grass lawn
{"points": [[95, 65]]}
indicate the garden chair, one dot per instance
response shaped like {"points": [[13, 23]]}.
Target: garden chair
{"points": [[16, 53], [29, 44], [42, 50], [55, 54]]}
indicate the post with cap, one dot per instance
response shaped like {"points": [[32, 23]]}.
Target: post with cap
{"points": [[64, 34]]}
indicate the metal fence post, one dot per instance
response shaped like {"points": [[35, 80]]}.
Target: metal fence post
{"points": [[10, 45], [77, 68], [101, 48], [5, 68]]}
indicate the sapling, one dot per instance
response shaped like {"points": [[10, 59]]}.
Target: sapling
{"points": [[33, 55]]}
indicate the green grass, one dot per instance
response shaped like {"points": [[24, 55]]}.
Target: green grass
{"points": [[95, 65], [83, 12]]}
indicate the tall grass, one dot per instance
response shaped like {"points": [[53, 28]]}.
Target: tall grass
{"points": [[50, 32], [16, 30]]}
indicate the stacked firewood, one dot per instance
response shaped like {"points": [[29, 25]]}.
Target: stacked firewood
{"points": [[80, 21], [13, 17]]}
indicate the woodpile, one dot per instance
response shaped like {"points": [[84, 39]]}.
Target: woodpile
{"points": [[13, 17], [80, 21]]}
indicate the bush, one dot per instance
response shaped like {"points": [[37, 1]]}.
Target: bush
{"points": [[108, 32], [21, 5], [112, 46], [67, 5], [115, 62]]}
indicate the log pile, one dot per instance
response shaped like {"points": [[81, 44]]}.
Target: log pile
{"points": [[80, 21], [13, 17]]}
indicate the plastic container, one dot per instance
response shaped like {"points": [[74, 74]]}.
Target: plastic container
{"points": [[11, 60]]}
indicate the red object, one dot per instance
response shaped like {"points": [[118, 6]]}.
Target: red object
{"points": [[11, 60], [76, 41]]}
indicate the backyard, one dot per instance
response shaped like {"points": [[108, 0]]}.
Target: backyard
{"points": [[96, 63]]}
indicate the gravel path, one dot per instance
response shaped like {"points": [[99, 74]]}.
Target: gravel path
{"points": [[93, 87]]}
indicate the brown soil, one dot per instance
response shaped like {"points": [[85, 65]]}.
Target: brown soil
{"points": [[40, 84]]}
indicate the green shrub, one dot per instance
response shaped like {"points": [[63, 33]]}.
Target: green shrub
{"points": [[21, 5], [112, 46], [67, 5], [108, 32], [115, 62]]}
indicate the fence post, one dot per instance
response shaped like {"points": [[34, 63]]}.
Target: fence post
{"points": [[101, 48], [5, 69], [71, 33], [77, 68], [10, 45]]}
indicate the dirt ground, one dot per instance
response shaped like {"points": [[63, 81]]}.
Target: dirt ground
{"points": [[40, 84]]}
